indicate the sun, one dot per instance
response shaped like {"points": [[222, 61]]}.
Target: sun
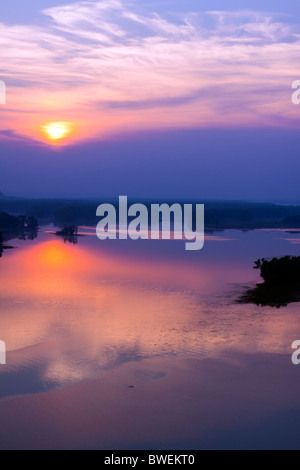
{"points": [[56, 131]]}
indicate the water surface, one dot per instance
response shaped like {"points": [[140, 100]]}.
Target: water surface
{"points": [[140, 344]]}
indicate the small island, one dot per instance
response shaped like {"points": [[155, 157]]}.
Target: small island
{"points": [[69, 234], [2, 246], [281, 284], [22, 227]]}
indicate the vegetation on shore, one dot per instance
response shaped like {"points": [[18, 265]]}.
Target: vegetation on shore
{"points": [[219, 215], [2, 246], [281, 284], [22, 227]]}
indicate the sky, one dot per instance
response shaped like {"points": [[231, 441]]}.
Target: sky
{"points": [[173, 99]]}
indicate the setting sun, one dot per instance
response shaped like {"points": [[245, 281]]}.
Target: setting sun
{"points": [[57, 130]]}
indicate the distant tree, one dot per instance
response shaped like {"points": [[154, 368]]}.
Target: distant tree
{"points": [[281, 284], [281, 271]]}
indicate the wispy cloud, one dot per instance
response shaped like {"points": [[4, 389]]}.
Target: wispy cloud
{"points": [[109, 67]]}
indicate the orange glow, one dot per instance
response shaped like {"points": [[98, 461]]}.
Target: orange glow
{"points": [[55, 255], [56, 131]]}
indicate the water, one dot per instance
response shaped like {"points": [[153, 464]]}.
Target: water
{"points": [[141, 345]]}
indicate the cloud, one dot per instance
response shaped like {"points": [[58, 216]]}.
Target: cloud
{"points": [[215, 68]]}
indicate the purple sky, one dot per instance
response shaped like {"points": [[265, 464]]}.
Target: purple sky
{"points": [[223, 164], [150, 99]]}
